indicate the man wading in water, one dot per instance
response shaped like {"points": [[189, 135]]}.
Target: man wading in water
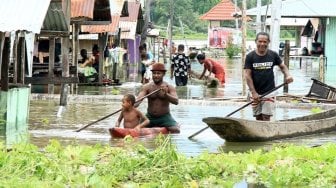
{"points": [[158, 111]]}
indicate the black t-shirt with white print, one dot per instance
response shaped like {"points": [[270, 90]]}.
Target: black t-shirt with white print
{"points": [[262, 69]]}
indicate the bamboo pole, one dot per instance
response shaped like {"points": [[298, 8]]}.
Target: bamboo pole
{"points": [[286, 61], [171, 18], [321, 68], [243, 46], [52, 44]]}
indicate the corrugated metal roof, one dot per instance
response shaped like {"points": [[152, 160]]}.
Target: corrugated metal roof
{"points": [[128, 29], [90, 10], [222, 11], [82, 9], [23, 15], [55, 19], [301, 8], [135, 12], [111, 28], [116, 7]]}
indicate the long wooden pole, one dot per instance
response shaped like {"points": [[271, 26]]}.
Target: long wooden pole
{"points": [[171, 18], [244, 20]]}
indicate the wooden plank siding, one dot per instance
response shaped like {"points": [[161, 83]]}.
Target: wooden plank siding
{"points": [[50, 80]]}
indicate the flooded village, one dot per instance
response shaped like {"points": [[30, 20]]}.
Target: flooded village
{"points": [[67, 66]]}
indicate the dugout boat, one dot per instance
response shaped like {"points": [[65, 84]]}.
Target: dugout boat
{"points": [[242, 130], [118, 132]]}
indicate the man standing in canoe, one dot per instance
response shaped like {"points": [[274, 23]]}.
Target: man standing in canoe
{"points": [[158, 111], [259, 76]]}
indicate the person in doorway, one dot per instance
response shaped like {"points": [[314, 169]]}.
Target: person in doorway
{"points": [[133, 118], [86, 69], [84, 55], [259, 76], [213, 67], [96, 54], [158, 111], [180, 67]]}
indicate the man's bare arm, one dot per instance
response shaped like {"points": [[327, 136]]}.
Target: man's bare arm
{"points": [[172, 95], [285, 71], [249, 81], [142, 93]]}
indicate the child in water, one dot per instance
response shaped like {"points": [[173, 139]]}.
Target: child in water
{"points": [[133, 118]]}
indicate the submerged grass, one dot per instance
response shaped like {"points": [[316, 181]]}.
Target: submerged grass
{"points": [[135, 166]]}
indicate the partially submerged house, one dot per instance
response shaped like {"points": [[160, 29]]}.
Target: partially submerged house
{"points": [[89, 36], [51, 46], [131, 27], [90, 13], [18, 18]]}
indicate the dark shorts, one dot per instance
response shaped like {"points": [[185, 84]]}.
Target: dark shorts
{"points": [[181, 80], [162, 121]]}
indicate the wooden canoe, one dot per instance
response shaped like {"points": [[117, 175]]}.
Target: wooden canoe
{"points": [[242, 130], [117, 132]]}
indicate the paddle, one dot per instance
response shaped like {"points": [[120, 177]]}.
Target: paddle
{"points": [[155, 91], [270, 91]]}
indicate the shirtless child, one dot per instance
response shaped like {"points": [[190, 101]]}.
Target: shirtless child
{"points": [[133, 118]]}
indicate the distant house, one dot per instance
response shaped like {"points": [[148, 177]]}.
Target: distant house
{"points": [[217, 34]]}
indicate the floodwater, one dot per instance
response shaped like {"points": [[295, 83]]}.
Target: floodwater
{"points": [[49, 121]]}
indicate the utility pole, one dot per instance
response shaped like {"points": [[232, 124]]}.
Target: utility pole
{"points": [[275, 26], [244, 20], [147, 20], [235, 2], [258, 16], [170, 33]]}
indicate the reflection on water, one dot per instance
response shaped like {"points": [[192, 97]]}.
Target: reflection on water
{"points": [[45, 125]]}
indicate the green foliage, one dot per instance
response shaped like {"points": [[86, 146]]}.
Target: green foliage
{"points": [[45, 121], [316, 110], [134, 165], [231, 49], [189, 12], [115, 91]]}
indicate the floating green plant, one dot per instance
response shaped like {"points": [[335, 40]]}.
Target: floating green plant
{"points": [[45, 121], [115, 91], [316, 110], [55, 165]]}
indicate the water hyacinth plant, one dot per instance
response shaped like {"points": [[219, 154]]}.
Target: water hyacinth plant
{"points": [[26, 165]]}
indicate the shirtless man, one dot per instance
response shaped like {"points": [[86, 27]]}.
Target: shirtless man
{"points": [[158, 111], [133, 118]]}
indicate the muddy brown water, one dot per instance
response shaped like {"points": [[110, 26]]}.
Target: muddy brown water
{"points": [[47, 120]]}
